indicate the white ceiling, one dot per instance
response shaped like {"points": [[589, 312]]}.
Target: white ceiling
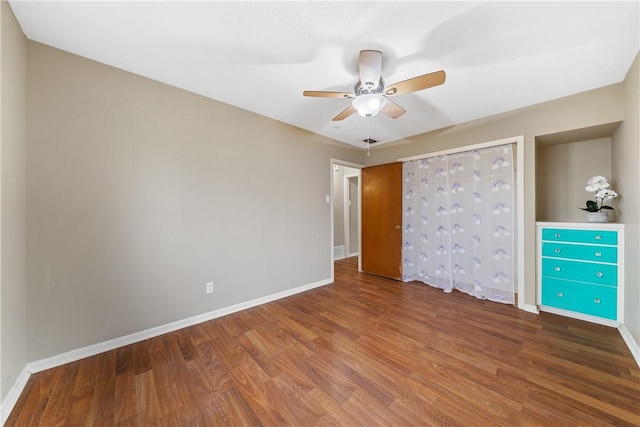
{"points": [[260, 56]]}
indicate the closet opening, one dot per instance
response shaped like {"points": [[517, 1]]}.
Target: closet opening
{"points": [[462, 220]]}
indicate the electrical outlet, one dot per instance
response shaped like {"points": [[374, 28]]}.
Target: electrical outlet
{"points": [[209, 289]]}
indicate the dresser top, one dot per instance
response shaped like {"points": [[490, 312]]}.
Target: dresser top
{"points": [[584, 225]]}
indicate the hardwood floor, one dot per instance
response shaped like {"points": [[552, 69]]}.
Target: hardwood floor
{"points": [[363, 351]]}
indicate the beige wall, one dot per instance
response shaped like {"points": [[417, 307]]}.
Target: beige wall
{"points": [[583, 110], [13, 317], [562, 173], [139, 193], [626, 170]]}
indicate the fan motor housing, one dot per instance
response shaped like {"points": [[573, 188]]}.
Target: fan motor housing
{"points": [[365, 88]]}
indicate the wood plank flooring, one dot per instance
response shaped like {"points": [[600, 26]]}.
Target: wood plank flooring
{"points": [[364, 351]]}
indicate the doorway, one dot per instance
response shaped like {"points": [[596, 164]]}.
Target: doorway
{"points": [[351, 215], [345, 206]]}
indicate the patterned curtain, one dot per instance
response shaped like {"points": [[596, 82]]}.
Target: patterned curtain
{"points": [[459, 223]]}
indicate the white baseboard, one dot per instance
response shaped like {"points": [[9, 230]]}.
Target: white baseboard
{"points": [[81, 353], [71, 356], [91, 350], [531, 308], [631, 343], [338, 252], [11, 398]]}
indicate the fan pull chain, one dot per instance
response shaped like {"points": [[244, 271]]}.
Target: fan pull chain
{"points": [[368, 137]]}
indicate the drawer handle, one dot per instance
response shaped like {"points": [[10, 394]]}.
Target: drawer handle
{"points": [[560, 294], [557, 268], [598, 237], [557, 251], [598, 253], [599, 274], [596, 300], [557, 234]]}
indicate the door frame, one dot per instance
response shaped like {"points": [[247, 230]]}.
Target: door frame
{"points": [[359, 167]]}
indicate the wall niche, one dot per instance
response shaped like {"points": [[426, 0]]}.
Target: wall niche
{"points": [[564, 163]]}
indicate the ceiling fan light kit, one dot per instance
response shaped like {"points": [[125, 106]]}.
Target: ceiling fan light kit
{"points": [[369, 105]]}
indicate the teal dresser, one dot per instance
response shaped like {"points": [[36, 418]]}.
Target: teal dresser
{"points": [[580, 270]]}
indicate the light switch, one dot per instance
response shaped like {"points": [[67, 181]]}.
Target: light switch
{"points": [[327, 199]]}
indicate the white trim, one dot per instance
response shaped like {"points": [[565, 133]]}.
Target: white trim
{"points": [[332, 239], [519, 140], [488, 144], [531, 308], [631, 343], [538, 264], [92, 350], [12, 397], [621, 276], [587, 225]]}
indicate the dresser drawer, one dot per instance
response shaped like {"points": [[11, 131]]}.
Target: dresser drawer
{"points": [[583, 298], [601, 237], [580, 252], [590, 272]]}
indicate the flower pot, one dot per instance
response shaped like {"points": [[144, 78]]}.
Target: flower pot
{"points": [[598, 216]]}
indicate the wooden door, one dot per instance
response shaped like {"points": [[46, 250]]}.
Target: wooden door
{"points": [[382, 220]]}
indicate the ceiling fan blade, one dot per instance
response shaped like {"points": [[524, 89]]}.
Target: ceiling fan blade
{"points": [[393, 110], [415, 84], [370, 68], [327, 94], [344, 114]]}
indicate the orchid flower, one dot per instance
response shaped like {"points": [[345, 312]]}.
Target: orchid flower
{"points": [[598, 185]]}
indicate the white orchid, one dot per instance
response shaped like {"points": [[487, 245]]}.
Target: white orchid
{"points": [[605, 195], [598, 185]]}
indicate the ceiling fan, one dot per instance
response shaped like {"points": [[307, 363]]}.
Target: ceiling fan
{"points": [[370, 95]]}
